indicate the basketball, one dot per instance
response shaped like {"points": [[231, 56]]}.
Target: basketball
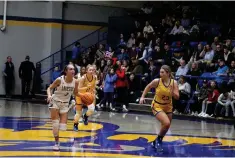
{"points": [[87, 98]]}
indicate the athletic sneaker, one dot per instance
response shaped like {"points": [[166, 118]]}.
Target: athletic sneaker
{"points": [[124, 109], [75, 127], [157, 145], [56, 147], [85, 119]]}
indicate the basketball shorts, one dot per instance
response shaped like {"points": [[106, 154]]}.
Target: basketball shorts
{"points": [[63, 107], [79, 103], [156, 108]]}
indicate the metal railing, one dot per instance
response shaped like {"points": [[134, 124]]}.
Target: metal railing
{"points": [[60, 57]]}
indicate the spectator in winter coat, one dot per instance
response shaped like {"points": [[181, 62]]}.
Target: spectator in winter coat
{"points": [[109, 83], [121, 87]]}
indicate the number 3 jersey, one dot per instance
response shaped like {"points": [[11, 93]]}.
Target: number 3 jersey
{"points": [[64, 91], [163, 93]]}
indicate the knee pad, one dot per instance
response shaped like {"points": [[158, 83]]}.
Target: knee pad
{"points": [[55, 124], [63, 126]]}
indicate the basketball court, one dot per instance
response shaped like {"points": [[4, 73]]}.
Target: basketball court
{"points": [[26, 132]]}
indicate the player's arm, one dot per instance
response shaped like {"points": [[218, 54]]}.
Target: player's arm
{"points": [[55, 84], [81, 86], [151, 85], [76, 92], [175, 92]]}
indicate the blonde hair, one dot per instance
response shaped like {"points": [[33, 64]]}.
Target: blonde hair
{"points": [[168, 70]]}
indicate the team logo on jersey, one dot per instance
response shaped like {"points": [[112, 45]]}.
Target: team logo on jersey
{"points": [[33, 137]]}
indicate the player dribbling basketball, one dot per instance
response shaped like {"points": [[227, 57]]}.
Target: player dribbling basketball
{"points": [[87, 83]]}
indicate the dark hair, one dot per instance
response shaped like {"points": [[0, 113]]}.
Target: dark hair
{"points": [[65, 69], [77, 44]]}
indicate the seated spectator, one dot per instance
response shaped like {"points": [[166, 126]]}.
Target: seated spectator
{"points": [[196, 54], [109, 54], [210, 101], [222, 70], [183, 68], [152, 71], [134, 91], [185, 91], [137, 68], [194, 72], [232, 93], [231, 69], [157, 55], [185, 22], [133, 52], [139, 38], [84, 62], [228, 56], [108, 65], [131, 41], [146, 54], [199, 96], [218, 55], [109, 81], [102, 65], [148, 29], [100, 53], [207, 54], [228, 44], [126, 64], [123, 55], [178, 29], [224, 101], [215, 43], [195, 30], [167, 55]]}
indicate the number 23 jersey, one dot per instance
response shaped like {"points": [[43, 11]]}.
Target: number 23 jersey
{"points": [[163, 93]]}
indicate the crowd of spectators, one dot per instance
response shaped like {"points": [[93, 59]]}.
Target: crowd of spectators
{"points": [[182, 41]]}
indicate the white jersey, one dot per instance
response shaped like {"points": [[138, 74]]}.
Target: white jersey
{"points": [[65, 90]]}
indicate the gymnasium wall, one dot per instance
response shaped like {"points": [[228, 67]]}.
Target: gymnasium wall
{"points": [[36, 29]]}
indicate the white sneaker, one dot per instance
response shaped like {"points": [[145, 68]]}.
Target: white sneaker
{"points": [[80, 120], [98, 106], [202, 113], [124, 109], [205, 115], [175, 112], [196, 113], [56, 147], [192, 114]]}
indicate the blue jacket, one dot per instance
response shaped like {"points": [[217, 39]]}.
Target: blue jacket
{"points": [[109, 82]]}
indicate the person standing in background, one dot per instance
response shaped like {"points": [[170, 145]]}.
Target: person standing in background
{"points": [[25, 74], [76, 51], [8, 72]]}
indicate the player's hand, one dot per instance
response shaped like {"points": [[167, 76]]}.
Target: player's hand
{"points": [[49, 99], [142, 100]]}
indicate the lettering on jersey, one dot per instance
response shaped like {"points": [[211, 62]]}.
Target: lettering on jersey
{"points": [[66, 88], [165, 98]]}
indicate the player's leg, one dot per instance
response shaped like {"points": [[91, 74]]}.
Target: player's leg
{"points": [[165, 120], [88, 113], [55, 126], [77, 116]]}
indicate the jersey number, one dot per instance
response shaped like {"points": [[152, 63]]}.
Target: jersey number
{"points": [[165, 98]]}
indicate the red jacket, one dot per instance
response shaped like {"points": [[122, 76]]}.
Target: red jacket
{"points": [[121, 79], [213, 96]]}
